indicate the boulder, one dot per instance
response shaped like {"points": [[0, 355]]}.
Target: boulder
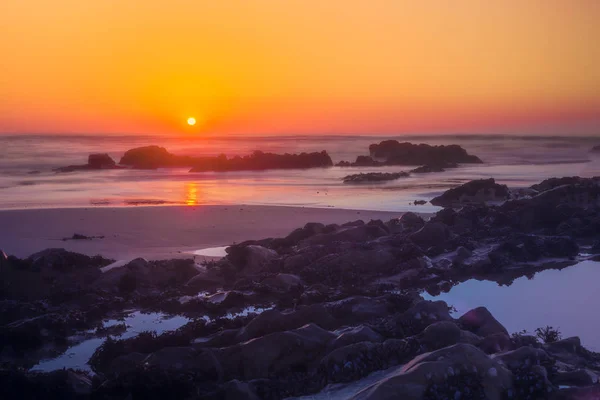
{"points": [[276, 321], [251, 258], [413, 379], [274, 353], [361, 333], [522, 357], [496, 343], [473, 192], [481, 322], [283, 282], [440, 334]]}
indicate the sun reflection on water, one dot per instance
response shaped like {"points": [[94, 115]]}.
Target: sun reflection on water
{"points": [[191, 194]]}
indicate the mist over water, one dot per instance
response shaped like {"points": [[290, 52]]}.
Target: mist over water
{"points": [[27, 179]]}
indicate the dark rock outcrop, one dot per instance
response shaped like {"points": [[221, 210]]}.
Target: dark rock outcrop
{"points": [[473, 192], [95, 162], [396, 153], [152, 157], [374, 177]]}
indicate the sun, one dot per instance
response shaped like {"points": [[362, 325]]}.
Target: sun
{"points": [[191, 121]]}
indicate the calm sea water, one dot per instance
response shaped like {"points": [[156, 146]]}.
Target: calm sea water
{"points": [[27, 179]]}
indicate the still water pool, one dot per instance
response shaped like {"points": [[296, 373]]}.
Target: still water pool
{"points": [[566, 299]]}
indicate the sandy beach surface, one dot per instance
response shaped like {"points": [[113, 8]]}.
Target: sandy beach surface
{"points": [[158, 232]]}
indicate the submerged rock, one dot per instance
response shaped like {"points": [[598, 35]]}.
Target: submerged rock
{"points": [[437, 167], [374, 177]]}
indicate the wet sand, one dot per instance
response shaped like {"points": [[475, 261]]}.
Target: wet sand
{"points": [[158, 232]]}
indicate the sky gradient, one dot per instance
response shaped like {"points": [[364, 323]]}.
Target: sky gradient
{"points": [[300, 66]]}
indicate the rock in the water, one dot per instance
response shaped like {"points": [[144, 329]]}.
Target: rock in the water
{"points": [[473, 192], [437, 167], [374, 177], [396, 153], [95, 162], [152, 157], [100, 161]]}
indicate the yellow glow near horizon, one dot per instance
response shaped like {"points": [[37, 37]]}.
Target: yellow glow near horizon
{"points": [[300, 66], [191, 121]]}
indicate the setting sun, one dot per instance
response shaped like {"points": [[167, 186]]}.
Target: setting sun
{"points": [[191, 121]]}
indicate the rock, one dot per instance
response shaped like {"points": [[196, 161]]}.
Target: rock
{"points": [[522, 357], [152, 157], [469, 338], [276, 321], [357, 334], [126, 363], [579, 377], [440, 334], [431, 234], [258, 161], [496, 343], [473, 192], [251, 258], [429, 168], [274, 353], [182, 358], [235, 389], [481, 322], [374, 177], [79, 384], [552, 183], [3, 261], [100, 161], [283, 282], [62, 260], [435, 368], [95, 162], [396, 153], [259, 257], [419, 202]]}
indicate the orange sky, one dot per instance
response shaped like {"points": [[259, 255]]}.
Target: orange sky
{"points": [[300, 66]]}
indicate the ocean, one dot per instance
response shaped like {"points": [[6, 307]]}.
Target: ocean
{"points": [[27, 179]]}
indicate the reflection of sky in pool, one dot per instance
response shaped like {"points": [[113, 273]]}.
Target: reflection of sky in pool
{"points": [[77, 356], [565, 299]]}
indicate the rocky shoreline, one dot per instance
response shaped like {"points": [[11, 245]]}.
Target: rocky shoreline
{"points": [[340, 302]]}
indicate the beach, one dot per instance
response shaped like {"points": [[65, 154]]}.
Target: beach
{"points": [[159, 232]]}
